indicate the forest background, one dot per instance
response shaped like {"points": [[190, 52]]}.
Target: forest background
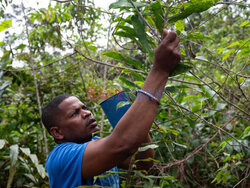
{"points": [[200, 134]]}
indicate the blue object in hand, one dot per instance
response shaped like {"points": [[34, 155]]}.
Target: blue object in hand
{"points": [[114, 113]]}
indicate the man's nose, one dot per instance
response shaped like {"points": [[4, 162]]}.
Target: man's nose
{"points": [[85, 113]]}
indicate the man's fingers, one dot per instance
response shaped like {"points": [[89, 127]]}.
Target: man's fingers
{"points": [[165, 33], [171, 36], [176, 42]]}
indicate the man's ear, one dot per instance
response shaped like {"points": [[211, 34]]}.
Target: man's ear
{"points": [[56, 133]]}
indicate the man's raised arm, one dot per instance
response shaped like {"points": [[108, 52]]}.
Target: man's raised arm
{"points": [[132, 130]]}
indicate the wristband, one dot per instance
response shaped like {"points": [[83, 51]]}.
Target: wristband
{"points": [[146, 93]]}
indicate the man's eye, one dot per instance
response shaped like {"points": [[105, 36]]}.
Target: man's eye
{"points": [[84, 107], [75, 113]]}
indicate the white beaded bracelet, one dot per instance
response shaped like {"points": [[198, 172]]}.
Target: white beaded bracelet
{"points": [[146, 93]]}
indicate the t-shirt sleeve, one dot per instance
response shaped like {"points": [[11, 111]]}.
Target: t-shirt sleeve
{"points": [[64, 164]]}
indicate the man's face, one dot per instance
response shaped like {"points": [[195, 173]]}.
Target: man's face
{"points": [[76, 122]]}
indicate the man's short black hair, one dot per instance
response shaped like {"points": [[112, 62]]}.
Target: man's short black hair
{"points": [[51, 111]]}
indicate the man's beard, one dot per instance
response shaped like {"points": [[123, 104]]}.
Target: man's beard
{"points": [[83, 140]]}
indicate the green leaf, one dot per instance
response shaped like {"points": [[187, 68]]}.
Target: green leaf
{"points": [[21, 46], [157, 15], [14, 154], [34, 159], [121, 104], [136, 75], [180, 68], [220, 106], [115, 55], [202, 58], [139, 28], [246, 133], [180, 25], [245, 23], [134, 63], [124, 4], [125, 34], [2, 143], [192, 6], [41, 170], [207, 91], [151, 146], [26, 151], [234, 44], [12, 172], [148, 159], [127, 29], [198, 36], [168, 130], [127, 82], [5, 25], [31, 177], [181, 145]]}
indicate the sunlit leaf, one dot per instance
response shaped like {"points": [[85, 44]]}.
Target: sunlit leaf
{"points": [[14, 150], [151, 146], [2, 143], [246, 133], [180, 25], [33, 158], [122, 104], [245, 23], [41, 170], [26, 151], [5, 24], [31, 177], [124, 4], [202, 58]]}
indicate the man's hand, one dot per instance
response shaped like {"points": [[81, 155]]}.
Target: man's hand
{"points": [[167, 54]]}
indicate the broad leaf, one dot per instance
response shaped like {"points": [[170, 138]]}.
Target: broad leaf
{"points": [[5, 25], [2, 143], [127, 82], [34, 159], [14, 150], [202, 58], [193, 6], [180, 68], [124, 4], [139, 28], [26, 151], [157, 15], [41, 170], [115, 55], [151, 146]]}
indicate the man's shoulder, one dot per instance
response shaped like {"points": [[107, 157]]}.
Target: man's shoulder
{"points": [[68, 148]]}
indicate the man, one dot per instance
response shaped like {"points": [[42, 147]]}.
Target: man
{"points": [[78, 157]]}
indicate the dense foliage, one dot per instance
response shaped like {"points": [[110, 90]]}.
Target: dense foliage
{"points": [[200, 134]]}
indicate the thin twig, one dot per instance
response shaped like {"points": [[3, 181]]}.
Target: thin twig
{"points": [[223, 98], [102, 63], [40, 67], [36, 84], [205, 121], [241, 180]]}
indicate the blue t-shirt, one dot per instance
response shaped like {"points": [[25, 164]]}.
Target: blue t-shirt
{"points": [[64, 166]]}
